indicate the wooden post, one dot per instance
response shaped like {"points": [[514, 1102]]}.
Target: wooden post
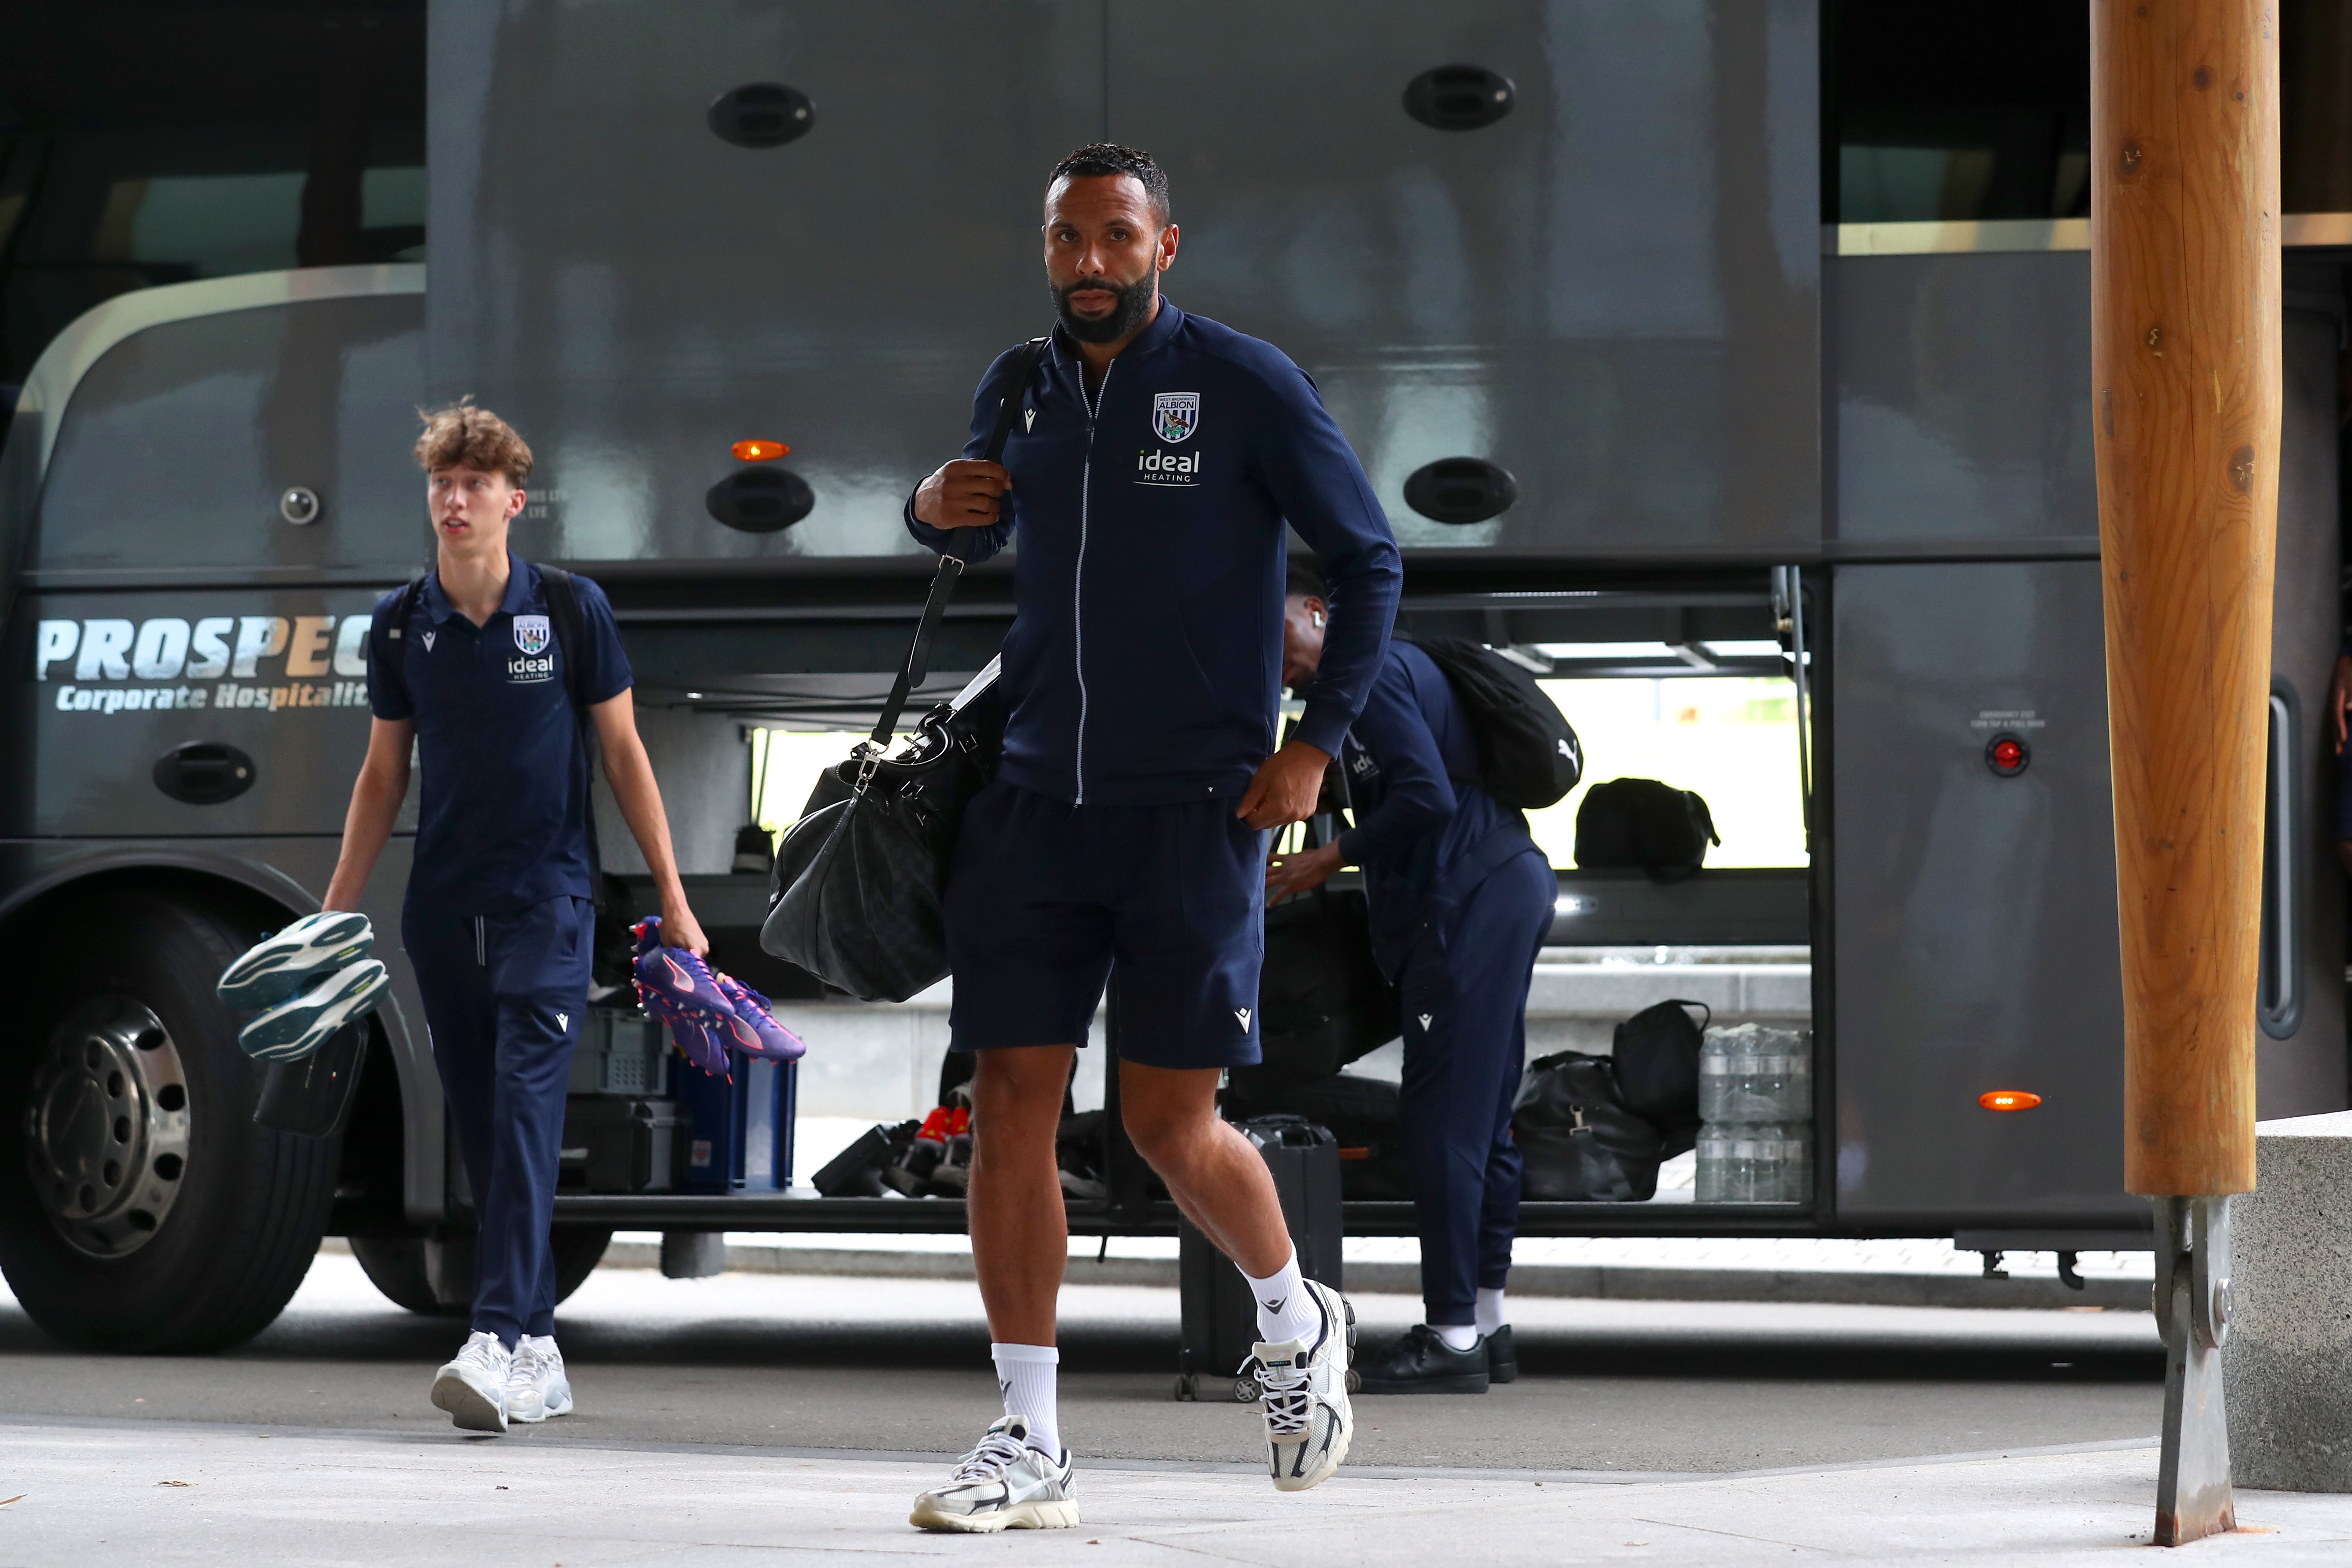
{"points": [[2185, 348], [2186, 376]]}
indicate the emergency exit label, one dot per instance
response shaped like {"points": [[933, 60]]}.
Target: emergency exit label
{"points": [[2007, 719]]}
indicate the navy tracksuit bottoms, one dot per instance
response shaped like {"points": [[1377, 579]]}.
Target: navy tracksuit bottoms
{"points": [[504, 999], [1464, 993]]}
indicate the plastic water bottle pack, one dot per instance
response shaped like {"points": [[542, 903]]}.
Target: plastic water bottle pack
{"points": [[1756, 1099]]}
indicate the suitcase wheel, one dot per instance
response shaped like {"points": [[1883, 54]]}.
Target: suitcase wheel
{"points": [[1355, 1381], [1246, 1390], [1187, 1391]]}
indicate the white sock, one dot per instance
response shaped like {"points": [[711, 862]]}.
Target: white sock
{"points": [[1457, 1336], [1490, 1310], [1027, 1373], [1284, 1310]]}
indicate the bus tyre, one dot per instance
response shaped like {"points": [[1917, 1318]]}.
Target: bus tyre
{"points": [[141, 1208], [400, 1267]]}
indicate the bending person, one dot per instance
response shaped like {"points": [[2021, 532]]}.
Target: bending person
{"points": [[1461, 900], [500, 923], [1156, 460]]}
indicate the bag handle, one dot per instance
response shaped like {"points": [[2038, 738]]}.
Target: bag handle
{"points": [[944, 584]]}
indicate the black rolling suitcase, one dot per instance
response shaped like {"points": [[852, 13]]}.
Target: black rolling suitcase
{"points": [[1220, 1320]]}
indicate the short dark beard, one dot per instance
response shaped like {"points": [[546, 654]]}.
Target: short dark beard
{"points": [[1133, 308]]}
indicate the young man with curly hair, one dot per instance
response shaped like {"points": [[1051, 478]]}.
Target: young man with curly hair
{"points": [[472, 672]]}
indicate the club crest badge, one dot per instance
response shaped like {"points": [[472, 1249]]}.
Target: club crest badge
{"points": [[531, 634], [1175, 415]]}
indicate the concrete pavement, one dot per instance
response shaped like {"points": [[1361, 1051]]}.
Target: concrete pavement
{"points": [[162, 1494], [814, 1361]]}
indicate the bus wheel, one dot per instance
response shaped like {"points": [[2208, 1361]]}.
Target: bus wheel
{"points": [[396, 1265], [141, 1209]]}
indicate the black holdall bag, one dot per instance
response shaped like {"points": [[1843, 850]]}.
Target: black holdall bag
{"points": [[1641, 823], [856, 893], [1577, 1139], [1528, 755], [1656, 1055], [1322, 999]]}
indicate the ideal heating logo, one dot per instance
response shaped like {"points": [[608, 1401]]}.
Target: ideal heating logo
{"points": [[170, 654], [1167, 468]]}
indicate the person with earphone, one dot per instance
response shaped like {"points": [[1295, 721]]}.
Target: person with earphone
{"points": [[1461, 901]]}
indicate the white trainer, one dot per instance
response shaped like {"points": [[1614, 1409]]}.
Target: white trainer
{"points": [[1309, 1421], [1003, 1484], [473, 1386], [536, 1387]]}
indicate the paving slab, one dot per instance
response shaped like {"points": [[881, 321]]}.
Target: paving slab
{"points": [[167, 1494], [903, 1364]]}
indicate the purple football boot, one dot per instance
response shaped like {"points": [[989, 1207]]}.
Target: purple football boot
{"points": [[703, 1043], [768, 1039], [675, 986]]}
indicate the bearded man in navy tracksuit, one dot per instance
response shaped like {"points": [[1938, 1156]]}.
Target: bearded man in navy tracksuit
{"points": [[1461, 901], [1155, 460]]}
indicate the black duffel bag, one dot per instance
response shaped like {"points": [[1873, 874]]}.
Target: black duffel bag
{"points": [[1628, 823], [1655, 1057], [856, 893], [1322, 1000], [1577, 1139]]}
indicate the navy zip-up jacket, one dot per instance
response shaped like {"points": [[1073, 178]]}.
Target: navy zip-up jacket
{"points": [[1145, 660], [1426, 835]]}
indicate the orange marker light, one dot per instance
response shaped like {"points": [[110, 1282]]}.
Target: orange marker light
{"points": [[2007, 1099], [758, 451]]}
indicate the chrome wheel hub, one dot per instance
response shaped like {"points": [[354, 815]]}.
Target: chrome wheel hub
{"points": [[107, 1126]]}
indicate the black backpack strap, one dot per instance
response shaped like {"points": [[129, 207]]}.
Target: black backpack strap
{"points": [[571, 632], [388, 638], [943, 585]]}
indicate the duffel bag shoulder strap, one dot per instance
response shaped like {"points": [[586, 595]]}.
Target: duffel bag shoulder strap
{"points": [[944, 584]]}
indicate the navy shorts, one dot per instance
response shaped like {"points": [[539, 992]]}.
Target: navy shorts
{"points": [[1045, 896]]}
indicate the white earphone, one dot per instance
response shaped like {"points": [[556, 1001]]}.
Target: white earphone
{"points": [[1319, 618]]}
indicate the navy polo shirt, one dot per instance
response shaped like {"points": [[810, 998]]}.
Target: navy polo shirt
{"points": [[502, 822]]}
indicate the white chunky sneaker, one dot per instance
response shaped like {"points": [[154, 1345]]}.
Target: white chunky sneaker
{"points": [[1308, 1422], [473, 1386], [282, 964], [1003, 1484], [536, 1387]]}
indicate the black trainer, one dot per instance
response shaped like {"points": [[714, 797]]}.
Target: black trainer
{"points": [[1421, 1363], [1502, 1356]]}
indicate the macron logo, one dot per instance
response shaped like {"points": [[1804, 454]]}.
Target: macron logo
{"points": [[1028, 420], [563, 1020], [1425, 1020], [1242, 1014]]}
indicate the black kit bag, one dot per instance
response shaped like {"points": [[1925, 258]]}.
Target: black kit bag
{"points": [[1365, 1114], [1578, 1141], [1322, 999], [1528, 755], [856, 893], [1641, 823], [1656, 1055]]}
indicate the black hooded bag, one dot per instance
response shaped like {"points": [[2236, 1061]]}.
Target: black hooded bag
{"points": [[1629, 823], [1577, 1139], [1528, 755], [855, 896], [1656, 1055]]}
